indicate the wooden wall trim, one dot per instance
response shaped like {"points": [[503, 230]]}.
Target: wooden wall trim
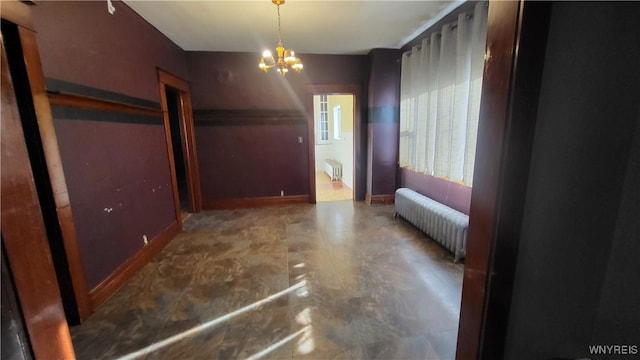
{"points": [[213, 117], [168, 78], [57, 179], [124, 272], [85, 102], [17, 12], [311, 140], [380, 199], [24, 235], [254, 202], [501, 52]]}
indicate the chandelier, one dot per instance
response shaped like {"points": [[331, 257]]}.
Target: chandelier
{"points": [[286, 57]]}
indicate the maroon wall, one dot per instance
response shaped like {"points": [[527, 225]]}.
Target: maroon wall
{"points": [[80, 42], [114, 161], [232, 80], [254, 160], [384, 117], [119, 186], [454, 195], [244, 157]]}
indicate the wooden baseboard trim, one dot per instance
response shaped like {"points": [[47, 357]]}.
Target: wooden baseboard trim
{"points": [[254, 202], [108, 287], [380, 199]]}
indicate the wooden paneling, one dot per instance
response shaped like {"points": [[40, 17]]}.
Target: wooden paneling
{"points": [[106, 288], [25, 237], [255, 202]]}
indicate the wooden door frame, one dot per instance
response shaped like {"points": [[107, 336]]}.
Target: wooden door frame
{"points": [[337, 89], [20, 14], [23, 229], [166, 79], [515, 52]]}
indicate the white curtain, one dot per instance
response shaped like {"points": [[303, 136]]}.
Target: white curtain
{"points": [[440, 99]]}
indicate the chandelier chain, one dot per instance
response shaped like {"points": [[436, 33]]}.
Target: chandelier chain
{"points": [[279, 31]]}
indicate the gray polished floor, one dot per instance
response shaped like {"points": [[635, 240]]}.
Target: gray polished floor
{"points": [[339, 280]]}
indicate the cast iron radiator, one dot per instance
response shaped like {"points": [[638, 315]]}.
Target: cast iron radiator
{"points": [[333, 169], [442, 223]]}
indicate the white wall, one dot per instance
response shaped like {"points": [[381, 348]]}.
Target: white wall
{"points": [[324, 151]]}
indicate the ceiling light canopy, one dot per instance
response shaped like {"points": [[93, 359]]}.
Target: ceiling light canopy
{"points": [[286, 58]]}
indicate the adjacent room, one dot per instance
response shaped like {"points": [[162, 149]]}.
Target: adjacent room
{"points": [[333, 117], [296, 179]]}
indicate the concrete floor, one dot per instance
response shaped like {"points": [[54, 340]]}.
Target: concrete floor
{"points": [[333, 281]]}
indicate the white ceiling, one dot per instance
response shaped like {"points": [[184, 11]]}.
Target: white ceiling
{"points": [[308, 26]]}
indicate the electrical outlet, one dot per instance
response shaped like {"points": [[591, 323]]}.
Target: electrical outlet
{"points": [[281, 192], [299, 139], [145, 240]]}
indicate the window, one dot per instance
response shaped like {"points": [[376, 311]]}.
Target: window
{"points": [[440, 99], [324, 118], [337, 122]]}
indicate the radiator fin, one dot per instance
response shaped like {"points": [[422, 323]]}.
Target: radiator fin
{"points": [[442, 223], [333, 169]]}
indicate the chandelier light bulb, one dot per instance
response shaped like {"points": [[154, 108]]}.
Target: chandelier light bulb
{"points": [[285, 57], [289, 56]]}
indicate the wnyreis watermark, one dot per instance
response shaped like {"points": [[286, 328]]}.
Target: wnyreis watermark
{"points": [[613, 349]]}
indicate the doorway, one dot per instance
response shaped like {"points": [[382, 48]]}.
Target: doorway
{"points": [[181, 149], [333, 116], [173, 106]]}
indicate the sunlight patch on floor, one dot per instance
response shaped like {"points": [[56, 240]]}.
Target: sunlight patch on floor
{"points": [[327, 190]]}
